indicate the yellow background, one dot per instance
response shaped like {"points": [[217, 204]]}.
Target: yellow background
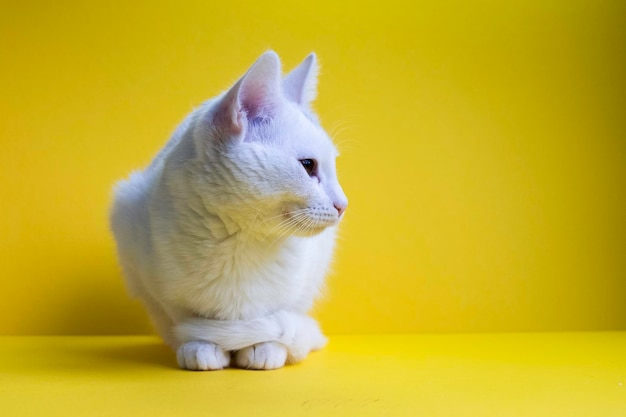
{"points": [[483, 152]]}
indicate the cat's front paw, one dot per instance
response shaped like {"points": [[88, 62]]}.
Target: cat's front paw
{"points": [[266, 355], [202, 356]]}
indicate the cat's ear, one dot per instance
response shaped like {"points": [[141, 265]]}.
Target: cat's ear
{"points": [[300, 85], [255, 95]]}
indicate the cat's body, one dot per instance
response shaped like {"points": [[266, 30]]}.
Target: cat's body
{"points": [[227, 235]]}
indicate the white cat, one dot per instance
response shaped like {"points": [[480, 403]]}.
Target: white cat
{"points": [[227, 235]]}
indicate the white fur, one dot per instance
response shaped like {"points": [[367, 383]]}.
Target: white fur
{"points": [[225, 237]]}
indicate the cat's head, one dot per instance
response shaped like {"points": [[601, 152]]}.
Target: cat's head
{"points": [[267, 165]]}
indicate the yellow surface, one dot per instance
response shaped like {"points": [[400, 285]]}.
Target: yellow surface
{"points": [[482, 147], [513, 375]]}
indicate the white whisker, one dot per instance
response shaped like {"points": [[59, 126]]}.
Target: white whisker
{"points": [[289, 226]]}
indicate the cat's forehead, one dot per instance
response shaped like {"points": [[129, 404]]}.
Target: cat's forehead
{"points": [[311, 140], [298, 132]]}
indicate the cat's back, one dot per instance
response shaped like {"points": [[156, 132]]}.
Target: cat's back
{"points": [[131, 195]]}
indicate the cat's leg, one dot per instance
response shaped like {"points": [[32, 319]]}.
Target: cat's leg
{"points": [[308, 338], [262, 343], [266, 355], [202, 356], [193, 355], [272, 355]]}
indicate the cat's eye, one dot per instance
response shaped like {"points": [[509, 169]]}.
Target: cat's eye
{"points": [[310, 165]]}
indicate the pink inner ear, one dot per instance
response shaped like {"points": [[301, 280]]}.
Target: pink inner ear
{"points": [[260, 90], [228, 115], [257, 100], [255, 95]]}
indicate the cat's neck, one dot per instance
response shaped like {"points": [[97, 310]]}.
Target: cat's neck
{"points": [[250, 238], [223, 233]]}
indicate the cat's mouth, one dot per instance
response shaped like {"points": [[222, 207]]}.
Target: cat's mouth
{"points": [[307, 222]]}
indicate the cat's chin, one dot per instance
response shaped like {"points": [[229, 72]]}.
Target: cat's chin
{"points": [[310, 232], [304, 230]]}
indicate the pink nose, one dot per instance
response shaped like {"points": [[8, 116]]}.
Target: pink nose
{"points": [[340, 209]]}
